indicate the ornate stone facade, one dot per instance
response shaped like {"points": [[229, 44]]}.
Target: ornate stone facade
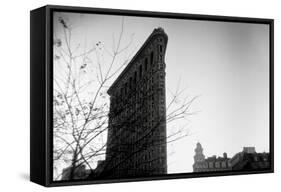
{"points": [[202, 164], [246, 160], [136, 143]]}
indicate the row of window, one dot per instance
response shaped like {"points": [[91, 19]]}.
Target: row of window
{"points": [[222, 164], [137, 108], [139, 73], [138, 96]]}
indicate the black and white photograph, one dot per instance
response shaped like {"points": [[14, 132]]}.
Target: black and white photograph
{"points": [[140, 97]]}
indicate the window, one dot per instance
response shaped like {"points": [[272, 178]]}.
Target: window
{"points": [[135, 78], [151, 58], [140, 71], [217, 164], [130, 83], [122, 92], [145, 64], [160, 48], [126, 88]]}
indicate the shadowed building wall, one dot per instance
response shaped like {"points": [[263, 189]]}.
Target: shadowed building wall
{"points": [[136, 143]]}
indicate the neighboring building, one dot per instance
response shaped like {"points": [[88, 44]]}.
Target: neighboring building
{"points": [[249, 159], [246, 160], [202, 164], [136, 142]]}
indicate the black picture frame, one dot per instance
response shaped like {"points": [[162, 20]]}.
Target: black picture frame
{"points": [[41, 67]]}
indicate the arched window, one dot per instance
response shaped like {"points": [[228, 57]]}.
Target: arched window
{"points": [[140, 71], [145, 64], [151, 58], [130, 83], [160, 48], [117, 96], [126, 88], [135, 78], [122, 92]]}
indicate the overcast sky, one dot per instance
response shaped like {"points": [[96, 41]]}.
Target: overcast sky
{"points": [[227, 64]]}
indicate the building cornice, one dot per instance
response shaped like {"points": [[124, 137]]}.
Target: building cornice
{"points": [[156, 31]]}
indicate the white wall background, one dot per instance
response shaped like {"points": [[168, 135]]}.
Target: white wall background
{"points": [[14, 97]]}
